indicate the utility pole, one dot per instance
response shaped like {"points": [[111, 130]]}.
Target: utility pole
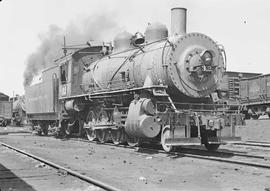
{"points": [[64, 49]]}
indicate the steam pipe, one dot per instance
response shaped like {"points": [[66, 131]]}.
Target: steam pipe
{"points": [[178, 21]]}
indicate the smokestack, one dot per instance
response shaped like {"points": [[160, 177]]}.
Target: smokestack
{"points": [[178, 21]]}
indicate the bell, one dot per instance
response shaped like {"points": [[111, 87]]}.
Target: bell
{"points": [[138, 38]]}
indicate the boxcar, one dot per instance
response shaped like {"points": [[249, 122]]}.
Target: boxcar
{"points": [[18, 113], [3, 97], [5, 112], [255, 95], [230, 83]]}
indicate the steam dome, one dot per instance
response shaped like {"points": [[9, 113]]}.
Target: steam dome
{"points": [[155, 31]]}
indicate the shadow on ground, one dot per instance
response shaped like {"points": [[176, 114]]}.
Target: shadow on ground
{"points": [[10, 181]]}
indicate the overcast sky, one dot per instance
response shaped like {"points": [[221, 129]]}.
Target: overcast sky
{"points": [[242, 26]]}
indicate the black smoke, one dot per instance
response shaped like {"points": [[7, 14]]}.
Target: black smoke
{"points": [[96, 28]]}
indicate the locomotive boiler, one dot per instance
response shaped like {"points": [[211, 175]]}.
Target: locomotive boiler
{"points": [[189, 64], [153, 87]]}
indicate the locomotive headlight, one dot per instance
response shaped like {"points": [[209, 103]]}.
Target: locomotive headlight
{"points": [[207, 57]]}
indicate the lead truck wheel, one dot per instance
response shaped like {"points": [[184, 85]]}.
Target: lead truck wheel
{"points": [[211, 147], [165, 135]]}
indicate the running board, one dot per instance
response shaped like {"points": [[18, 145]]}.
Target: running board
{"points": [[183, 141]]}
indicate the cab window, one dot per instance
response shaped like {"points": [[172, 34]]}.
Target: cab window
{"points": [[64, 73]]}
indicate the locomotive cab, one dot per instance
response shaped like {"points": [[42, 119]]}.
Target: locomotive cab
{"points": [[73, 66]]}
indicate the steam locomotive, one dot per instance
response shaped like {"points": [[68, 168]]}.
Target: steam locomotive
{"points": [[147, 88]]}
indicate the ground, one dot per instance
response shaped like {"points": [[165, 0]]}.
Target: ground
{"points": [[258, 130], [130, 169]]}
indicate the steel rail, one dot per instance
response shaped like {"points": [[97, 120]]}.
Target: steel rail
{"points": [[253, 164], [227, 153], [214, 158], [186, 154], [182, 149], [198, 156], [255, 144], [262, 142], [69, 171]]}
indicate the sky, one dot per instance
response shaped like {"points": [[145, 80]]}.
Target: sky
{"points": [[242, 26]]}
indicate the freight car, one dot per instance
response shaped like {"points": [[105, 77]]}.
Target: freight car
{"points": [[4, 97], [255, 96], [5, 113], [18, 111], [229, 87], [5, 110], [154, 88]]}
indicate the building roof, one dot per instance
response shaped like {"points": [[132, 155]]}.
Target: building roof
{"points": [[3, 97]]}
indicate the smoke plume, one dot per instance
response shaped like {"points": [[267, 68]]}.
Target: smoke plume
{"points": [[96, 28]]}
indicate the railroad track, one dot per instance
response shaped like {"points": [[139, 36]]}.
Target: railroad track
{"points": [[68, 171], [255, 144], [262, 142], [219, 156]]}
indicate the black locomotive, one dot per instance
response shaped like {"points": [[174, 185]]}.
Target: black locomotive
{"points": [[154, 88]]}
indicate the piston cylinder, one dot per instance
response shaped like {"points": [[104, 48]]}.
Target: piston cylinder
{"points": [[138, 123]]}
